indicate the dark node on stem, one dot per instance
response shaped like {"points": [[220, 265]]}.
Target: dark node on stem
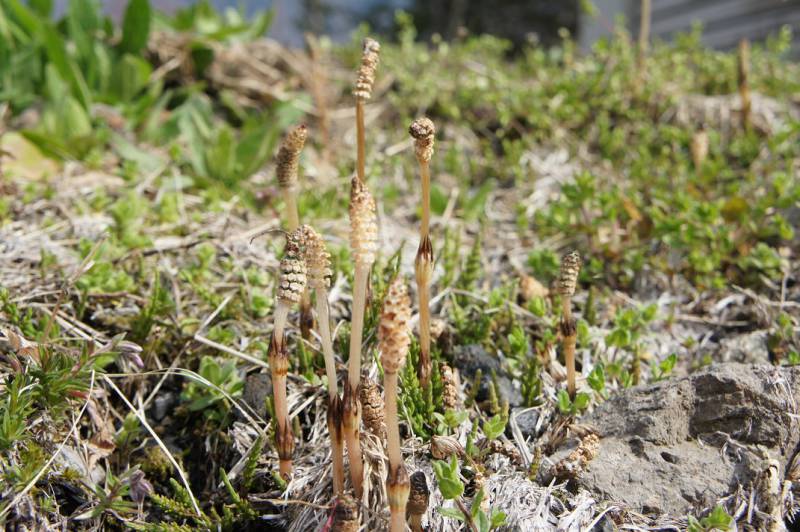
{"points": [[425, 251], [398, 486], [278, 356], [568, 327], [351, 407], [334, 417], [284, 440]]}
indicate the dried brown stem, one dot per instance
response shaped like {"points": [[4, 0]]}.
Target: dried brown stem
{"points": [[334, 420], [351, 426], [744, 83], [567, 283], [352, 406], [291, 284], [363, 91], [398, 487], [423, 132]]}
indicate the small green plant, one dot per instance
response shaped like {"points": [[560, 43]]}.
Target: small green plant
{"points": [[718, 520], [452, 488], [629, 325], [210, 401], [572, 407], [664, 368]]}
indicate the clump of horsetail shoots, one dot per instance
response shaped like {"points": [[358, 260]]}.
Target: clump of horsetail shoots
{"points": [[393, 335], [744, 83], [291, 285], [363, 92], [364, 245], [567, 282], [423, 131], [699, 148], [287, 163], [318, 262], [417, 501]]}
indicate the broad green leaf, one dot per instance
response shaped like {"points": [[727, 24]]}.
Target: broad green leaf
{"points": [[66, 66], [43, 8], [136, 26], [452, 513], [482, 522], [131, 74], [498, 519], [476, 503]]}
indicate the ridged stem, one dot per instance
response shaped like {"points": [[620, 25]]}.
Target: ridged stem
{"points": [[326, 339], [569, 334], [392, 421], [351, 405], [279, 366], [334, 425]]}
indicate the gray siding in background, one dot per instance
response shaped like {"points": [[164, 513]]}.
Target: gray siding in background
{"points": [[725, 22]]}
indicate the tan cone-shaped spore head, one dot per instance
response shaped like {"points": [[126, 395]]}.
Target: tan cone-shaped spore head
{"points": [[423, 131], [394, 327], [292, 269], [318, 260], [570, 268], [363, 224], [288, 158], [366, 72]]}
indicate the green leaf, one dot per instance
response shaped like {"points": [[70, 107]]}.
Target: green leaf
{"points": [[67, 68], [452, 513], [498, 518], [454, 418], [482, 521], [494, 427], [597, 379], [42, 7], [564, 402], [581, 402], [476, 503], [131, 74], [136, 26], [718, 519], [447, 475]]}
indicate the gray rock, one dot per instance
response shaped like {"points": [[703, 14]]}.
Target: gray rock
{"points": [[163, 404], [750, 348], [470, 358], [526, 419], [650, 456]]}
